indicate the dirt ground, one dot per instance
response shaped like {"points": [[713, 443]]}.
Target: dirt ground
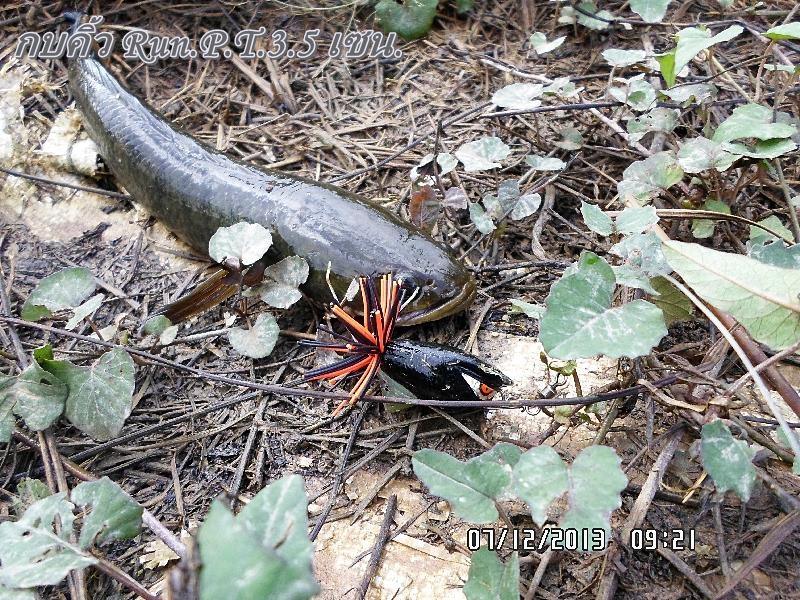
{"points": [[362, 124]]}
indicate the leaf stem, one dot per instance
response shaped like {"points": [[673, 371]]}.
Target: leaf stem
{"points": [[760, 73], [504, 516], [762, 388], [787, 194], [148, 518], [122, 578], [309, 393]]}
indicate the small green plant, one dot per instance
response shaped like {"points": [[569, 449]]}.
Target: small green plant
{"points": [[727, 460], [489, 577], [63, 290], [651, 11], [508, 202], [761, 297], [690, 42], [411, 19], [581, 322], [95, 399], [38, 548], [268, 540], [237, 247], [476, 489], [484, 153]]}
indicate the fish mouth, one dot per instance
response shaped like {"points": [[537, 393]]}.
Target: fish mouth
{"points": [[451, 306]]}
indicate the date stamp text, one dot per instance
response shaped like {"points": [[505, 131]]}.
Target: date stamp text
{"points": [[533, 540]]}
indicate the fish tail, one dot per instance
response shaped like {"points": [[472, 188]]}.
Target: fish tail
{"points": [[210, 293]]}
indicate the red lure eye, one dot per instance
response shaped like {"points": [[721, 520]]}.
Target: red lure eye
{"points": [[486, 390]]}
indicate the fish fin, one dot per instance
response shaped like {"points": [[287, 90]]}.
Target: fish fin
{"points": [[211, 292]]}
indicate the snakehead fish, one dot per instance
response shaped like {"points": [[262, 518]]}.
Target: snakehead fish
{"points": [[194, 190]]}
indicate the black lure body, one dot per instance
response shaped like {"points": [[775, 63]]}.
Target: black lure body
{"points": [[438, 372], [429, 371]]}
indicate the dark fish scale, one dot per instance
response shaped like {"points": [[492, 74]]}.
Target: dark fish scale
{"points": [[194, 190]]}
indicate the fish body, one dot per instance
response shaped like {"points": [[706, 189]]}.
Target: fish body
{"points": [[194, 190]]}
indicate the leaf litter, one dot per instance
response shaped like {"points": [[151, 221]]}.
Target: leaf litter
{"points": [[49, 222]]}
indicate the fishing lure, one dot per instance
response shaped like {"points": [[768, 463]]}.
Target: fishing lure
{"points": [[426, 370]]}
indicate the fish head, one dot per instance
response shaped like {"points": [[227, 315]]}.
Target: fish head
{"points": [[435, 294]]}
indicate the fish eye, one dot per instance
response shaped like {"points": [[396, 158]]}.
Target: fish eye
{"points": [[482, 391], [406, 282]]}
